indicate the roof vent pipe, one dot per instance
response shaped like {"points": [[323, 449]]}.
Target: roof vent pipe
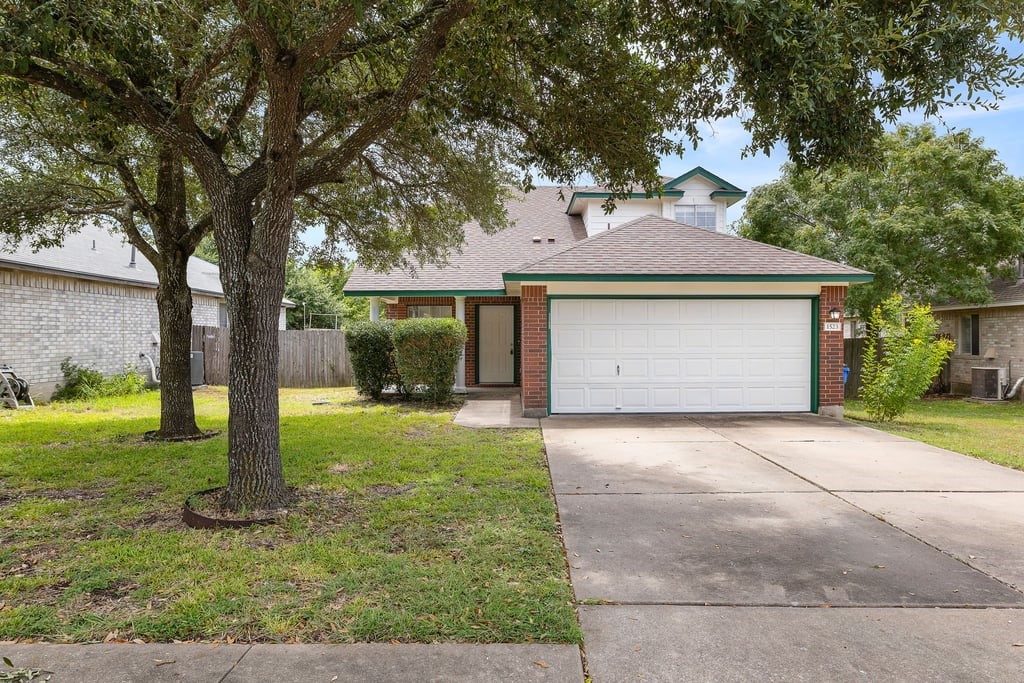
{"points": [[94, 245], [131, 264], [536, 240]]}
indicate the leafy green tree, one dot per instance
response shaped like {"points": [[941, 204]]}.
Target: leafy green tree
{"points": [[934, 219], [316, 304], [63, 166], [901, 358], [397, 122]]}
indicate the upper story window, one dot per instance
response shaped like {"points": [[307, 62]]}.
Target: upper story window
{"points": [[420, 311], [701, 215], [969, 342]]}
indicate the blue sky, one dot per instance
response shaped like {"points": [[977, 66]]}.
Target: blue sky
{"points": [[721, 150]]}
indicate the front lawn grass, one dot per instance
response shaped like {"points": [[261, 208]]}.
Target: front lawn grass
{"points": [[414, 529], [991, 431]]}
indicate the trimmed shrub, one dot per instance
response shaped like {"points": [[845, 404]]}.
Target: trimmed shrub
{"points": [[427, 352], [370, 350], [901, 358], [82, 383]]}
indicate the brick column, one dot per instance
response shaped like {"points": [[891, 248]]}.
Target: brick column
{"points": [[830, 353], [534, 340]]}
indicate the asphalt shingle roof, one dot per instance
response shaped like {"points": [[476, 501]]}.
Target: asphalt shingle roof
{"points": [[658, 246], [539, 213], [75, 257]]}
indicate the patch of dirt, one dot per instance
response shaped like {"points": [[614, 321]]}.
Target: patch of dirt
{"points": [[386, 491], [30, 562], [346, 467], [113, 598]]}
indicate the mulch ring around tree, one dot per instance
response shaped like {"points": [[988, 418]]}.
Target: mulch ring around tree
{"points": [[203, 510]]}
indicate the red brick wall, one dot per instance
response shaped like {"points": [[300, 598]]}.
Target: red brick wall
{"points": [[471, 303], [534, 348], [830, 346]]}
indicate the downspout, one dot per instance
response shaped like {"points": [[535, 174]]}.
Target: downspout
{"points": [[154, 375], [1016, 388]]}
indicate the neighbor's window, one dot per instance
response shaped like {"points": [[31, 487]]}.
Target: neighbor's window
{"points": [[969, 342], [701, 215], [429, 311]]}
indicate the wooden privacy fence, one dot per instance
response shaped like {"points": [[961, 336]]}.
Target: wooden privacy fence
{"points": [[309, 358], [853, 358]]}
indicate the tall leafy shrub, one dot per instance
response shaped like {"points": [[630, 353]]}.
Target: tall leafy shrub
{"points": [[427, 353], [370, 351], [901, 358], [84, 383]]}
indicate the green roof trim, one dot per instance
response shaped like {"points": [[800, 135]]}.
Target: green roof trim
{"points": [[631, 195], [728, 193], [427, 292], [704, 173], [563, 277]]}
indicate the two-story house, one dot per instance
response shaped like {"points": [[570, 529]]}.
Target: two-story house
{"points": [[647, 308]]}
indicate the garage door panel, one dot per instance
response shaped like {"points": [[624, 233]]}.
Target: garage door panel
{"points": [[602, 338], [569, 339], [667, 311], [635, 368], [600, 369], [665, 339], [634, 339], [698, 338], [634, 398], [665, 355], [668, 369], [666, 398], [697, 369]]}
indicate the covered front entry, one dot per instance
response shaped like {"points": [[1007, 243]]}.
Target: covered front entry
{"points": [[496, 344], [681, 355]]}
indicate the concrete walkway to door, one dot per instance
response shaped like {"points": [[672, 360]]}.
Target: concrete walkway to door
{"points": [[705, 547]]}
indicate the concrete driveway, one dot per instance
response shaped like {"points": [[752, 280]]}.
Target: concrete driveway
{"points": [[786, 548]]}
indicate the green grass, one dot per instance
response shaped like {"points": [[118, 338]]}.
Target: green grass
{"points": [[988, 431], [413, 529]]}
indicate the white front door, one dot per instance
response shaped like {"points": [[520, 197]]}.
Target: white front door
{"points": [[680, 355], [496, 358]]}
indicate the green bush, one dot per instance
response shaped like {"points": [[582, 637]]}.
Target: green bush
{"points": [[370, 351], [901, 358], [427, 351], [82, 383]]}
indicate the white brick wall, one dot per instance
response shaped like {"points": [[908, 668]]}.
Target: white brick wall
{"points": [[45, 318]]}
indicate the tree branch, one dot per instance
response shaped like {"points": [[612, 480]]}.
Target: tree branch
{"points": [[202, 72], [135, 237], [421, 68], [321, 43]]}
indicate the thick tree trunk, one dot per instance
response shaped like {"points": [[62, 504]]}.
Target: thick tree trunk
{"points": [[174, 302], [255, 287]]}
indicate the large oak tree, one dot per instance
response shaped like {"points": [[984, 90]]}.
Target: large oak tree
{"points": [[396, 121]]}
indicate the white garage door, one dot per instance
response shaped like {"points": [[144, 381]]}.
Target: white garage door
{"points": [[680, 355]]}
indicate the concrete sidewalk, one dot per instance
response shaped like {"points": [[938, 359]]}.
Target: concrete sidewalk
{"points": [[494, 408], [703, 548], [363, 663]]}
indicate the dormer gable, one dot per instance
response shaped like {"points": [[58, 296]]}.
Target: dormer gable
{"points": [[697, 197]]}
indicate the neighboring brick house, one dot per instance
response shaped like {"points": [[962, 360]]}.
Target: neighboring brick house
{"points": [[986, 336], [87, 300], [646, 308]]}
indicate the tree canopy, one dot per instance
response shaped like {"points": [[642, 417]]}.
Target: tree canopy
{"points": [[396, 122], [936, 218]]}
